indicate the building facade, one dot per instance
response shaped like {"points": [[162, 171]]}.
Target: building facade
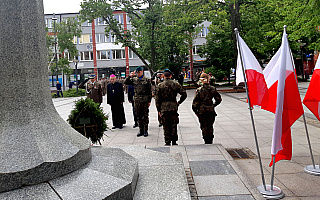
{"points": [[110, 58]]}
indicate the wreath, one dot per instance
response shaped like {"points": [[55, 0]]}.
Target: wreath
{"points": [[88, 119]]}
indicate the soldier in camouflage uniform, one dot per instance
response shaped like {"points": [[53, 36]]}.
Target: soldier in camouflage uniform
{"points": [[203, 107], [142, 99], [167, 106], [93, 88]]}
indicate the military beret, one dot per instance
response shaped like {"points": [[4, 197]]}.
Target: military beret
{"points": [[138, 69], [167, 70], [92, 76]]}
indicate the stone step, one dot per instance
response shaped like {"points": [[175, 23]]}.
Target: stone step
{"points": [[161, 175]]}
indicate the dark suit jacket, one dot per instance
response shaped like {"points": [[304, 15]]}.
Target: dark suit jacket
{"points": [[115, 93], [130, 93]]}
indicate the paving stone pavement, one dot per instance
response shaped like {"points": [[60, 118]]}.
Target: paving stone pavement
{"points": [[211, 172]]}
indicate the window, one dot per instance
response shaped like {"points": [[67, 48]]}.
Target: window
{"points": [[80, 40], [87, 23], [134, 55], [118, 54], [102, 38], [86, 38], [100, 21], [108, 38], [98, 55], [119, 18], [204, 32], [97, 38], [123, 54], [196, 49], [86, 55], [90, 38], [75, 40], [105, 55], [128, 20], [91, 55], [49, 22], [113, 38]]}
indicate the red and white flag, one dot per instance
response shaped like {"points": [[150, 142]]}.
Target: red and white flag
{"points": [[257, 87], [284, 100], [312, 98]]}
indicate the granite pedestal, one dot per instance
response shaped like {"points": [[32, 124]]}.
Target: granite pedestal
{"points": [[112, 175], [36, 144]]}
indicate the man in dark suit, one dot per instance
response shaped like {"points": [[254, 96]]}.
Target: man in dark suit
{"points": [[130, 99], [115, 98]]}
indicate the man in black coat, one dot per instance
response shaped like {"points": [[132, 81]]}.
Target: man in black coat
{"points": [[59, 90], [115, 98], [130, 99]]}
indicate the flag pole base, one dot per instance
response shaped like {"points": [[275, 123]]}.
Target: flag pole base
{"points": [[276, 193], [313, 171]]}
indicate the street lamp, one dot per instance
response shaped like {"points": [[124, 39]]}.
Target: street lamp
{"points": [[55, 42], [76, 70]]}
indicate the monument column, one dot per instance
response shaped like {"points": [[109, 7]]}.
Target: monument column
{"points": [[36, 144]]}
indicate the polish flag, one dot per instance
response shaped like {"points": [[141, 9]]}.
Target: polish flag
{"points": [[312, 98], [284, 100], [257, 87]]}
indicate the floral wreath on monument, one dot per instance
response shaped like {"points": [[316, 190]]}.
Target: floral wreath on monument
{"points": [[89, 119]]}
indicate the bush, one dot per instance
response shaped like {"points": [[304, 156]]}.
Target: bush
{"points": [[71, 93], [88, 119]]}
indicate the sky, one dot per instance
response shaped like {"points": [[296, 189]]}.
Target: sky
{"points": [[61, 6]]}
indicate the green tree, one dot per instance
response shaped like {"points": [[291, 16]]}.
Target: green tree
{"points": [[262, 25], [183, 18], [147, 23], [159, 31], [65, 33]]}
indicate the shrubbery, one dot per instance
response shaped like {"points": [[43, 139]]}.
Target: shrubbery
{"points": [[71, 93]]}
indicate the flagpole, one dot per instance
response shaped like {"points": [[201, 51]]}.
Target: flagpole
{"points": [[267, 191], [252, 121], [273, 168], [310, 169]]}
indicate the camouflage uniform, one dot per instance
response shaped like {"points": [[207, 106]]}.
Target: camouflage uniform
{"points": [[167, 105], [94, 90], [203, 107], [142, 98]]}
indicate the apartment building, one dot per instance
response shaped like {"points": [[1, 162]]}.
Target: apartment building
{"points": [[110, 58]]}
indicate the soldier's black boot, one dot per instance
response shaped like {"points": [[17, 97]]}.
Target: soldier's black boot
{"points": [[140, 133], [174, 143], [208, 141], [146, 133], [168, 144]]}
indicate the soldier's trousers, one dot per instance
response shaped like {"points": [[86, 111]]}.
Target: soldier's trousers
{"points": [[169, 122], [206, 124], [142, 112]]}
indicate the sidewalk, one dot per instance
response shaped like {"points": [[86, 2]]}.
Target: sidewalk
{"points": [[212, 173]]}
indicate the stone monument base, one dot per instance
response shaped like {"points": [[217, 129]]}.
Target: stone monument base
{"points": [[112, 174]]}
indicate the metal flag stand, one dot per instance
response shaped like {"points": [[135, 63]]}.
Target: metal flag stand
{"points": [[310, 169], [267, 191]]}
